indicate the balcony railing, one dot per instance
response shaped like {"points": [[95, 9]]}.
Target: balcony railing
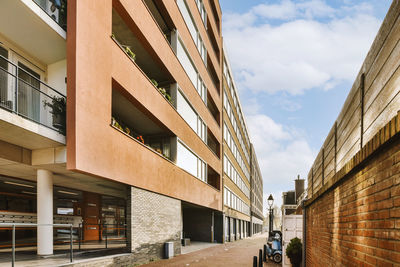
{"points": [[29, 97], [56, 9]]}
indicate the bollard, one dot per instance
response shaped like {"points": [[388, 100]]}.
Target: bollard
{"points": [[260, 259], [255, 261], [79, 236], [71, 252], [106, 236], [265, 253], [13, 246]]}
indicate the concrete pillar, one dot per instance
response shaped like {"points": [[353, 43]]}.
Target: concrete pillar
{"points": [[44, 212]]}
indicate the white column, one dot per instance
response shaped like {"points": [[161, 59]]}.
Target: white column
{"points": [[44, 212]]}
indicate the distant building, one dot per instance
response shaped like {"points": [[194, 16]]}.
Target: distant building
{"points": [[292, 199]]}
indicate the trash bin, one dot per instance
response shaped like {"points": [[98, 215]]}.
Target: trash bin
{"points": [[168, 250]]}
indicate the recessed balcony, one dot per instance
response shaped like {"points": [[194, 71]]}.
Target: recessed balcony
{"points": [[130, 40], [161, 17], [131, 118]]}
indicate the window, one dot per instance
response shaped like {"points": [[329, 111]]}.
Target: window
{"points": [[191, 163], [186, 62], [191, 117], [187, 17]]}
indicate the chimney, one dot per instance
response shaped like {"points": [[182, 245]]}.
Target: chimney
{"points": [[299, 187]]}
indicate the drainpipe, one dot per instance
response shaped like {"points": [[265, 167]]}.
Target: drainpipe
{"points": [[303, 206]]}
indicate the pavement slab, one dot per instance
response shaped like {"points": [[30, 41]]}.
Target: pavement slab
{"points": [[238, 253]]}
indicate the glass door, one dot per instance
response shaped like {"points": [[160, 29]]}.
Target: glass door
{"points": [[3, 78], [28, 92]]}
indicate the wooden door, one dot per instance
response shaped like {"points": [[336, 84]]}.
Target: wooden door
{"points": [[91, 216]]}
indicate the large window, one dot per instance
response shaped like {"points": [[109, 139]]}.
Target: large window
{"points": [[186, 62], [191, 117], [190, 162], [187, 17]]}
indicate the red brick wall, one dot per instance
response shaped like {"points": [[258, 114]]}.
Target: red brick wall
{"points": [[357, 221]]}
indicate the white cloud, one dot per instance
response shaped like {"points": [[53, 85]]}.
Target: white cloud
{"points": [[301, 52], [282, 153], [288, 9]]}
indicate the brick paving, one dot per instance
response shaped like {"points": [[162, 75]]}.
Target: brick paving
{"points": [[239, 253]]}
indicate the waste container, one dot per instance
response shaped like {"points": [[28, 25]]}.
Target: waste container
{"points": [[168, 250]]}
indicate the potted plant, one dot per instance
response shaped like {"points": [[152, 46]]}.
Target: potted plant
{"points": [[294, 252], [154, 82], [165, 94], [130, 53], [59, 110]]}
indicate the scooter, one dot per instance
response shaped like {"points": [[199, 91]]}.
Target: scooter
{"points": [[274, 249]]}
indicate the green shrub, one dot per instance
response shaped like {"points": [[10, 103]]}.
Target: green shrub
{"points": [[130, 53], [294, 251]]}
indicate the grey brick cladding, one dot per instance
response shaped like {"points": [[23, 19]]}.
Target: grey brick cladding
{"points": [[155, 219]]}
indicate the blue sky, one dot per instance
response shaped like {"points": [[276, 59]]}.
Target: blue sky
{"points": [[294, 63]]}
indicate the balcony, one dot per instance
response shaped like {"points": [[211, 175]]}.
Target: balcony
{"points": [[24, 94], [56, 9], [45, 40], [161, 17], [213, 109], [131, 118], [131, 41], [32, 114]]}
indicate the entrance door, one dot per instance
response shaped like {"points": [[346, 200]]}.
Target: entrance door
{"points": [[292, 226], [91, 216]]}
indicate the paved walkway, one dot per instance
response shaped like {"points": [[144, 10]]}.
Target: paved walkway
{"points": [[239, 253], [195, 246]]}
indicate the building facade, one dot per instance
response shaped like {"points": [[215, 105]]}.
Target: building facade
{"points": [[256, 195], [138, 156], [236, 161], [112, 120]]}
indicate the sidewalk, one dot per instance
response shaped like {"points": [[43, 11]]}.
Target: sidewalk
{"points": [[239, 253]]}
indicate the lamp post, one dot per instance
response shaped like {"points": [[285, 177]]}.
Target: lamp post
{"points": [[270, 203]]}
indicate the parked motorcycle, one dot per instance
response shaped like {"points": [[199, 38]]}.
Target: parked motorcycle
{"points": [[274, 249]]}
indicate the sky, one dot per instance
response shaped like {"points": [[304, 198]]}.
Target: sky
{"points": [[294, 62]]}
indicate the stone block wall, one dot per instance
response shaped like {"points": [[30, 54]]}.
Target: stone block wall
{"points": [[155, 219]]}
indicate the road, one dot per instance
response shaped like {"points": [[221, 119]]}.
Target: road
{"points": [[239, 253]]}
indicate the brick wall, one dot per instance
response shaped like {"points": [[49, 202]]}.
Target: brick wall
{"points": [[357, 222], [353, 206], [155, 219]]}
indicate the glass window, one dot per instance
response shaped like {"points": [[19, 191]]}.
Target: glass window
{"points": [[186, 62], [186, 159], [186, 111], [187, 18]]}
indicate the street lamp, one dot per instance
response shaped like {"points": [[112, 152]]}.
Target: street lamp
{"points": [[270, 203]]}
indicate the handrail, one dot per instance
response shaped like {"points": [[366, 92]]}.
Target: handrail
{"points": [[33, 225], [35, 101], [16, 76]]}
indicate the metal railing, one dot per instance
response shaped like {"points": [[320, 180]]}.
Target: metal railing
{"points": [[26, 95], [14, 225], [121, 230], [56, 9], [104, 232]]}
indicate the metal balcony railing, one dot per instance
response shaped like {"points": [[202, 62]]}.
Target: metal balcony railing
{"points": [[56, 9], [26, 95]]}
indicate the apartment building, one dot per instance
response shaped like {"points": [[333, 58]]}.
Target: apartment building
{"points": [[111, 120], [236, 161], [256, 195]]}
